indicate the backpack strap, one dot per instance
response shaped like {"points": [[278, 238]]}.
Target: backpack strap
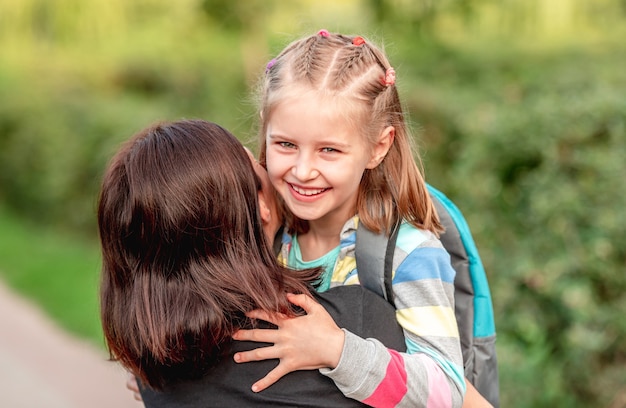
{"points": [[376, 254]]}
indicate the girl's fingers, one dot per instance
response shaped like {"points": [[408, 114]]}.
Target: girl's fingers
{"points": [[257, 354], [259, 335], [298, 300], [274, 318], [306, 302], [260, 315], [132, 385], [271, 378]]}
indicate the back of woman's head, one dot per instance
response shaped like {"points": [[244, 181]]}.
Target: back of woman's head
{"points": [[356, 77], [184, 252]]}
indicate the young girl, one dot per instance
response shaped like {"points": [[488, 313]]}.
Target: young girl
{"points": [[337, 149]]}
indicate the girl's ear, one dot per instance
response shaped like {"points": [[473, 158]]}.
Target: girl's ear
{"points": [[385, 141]]}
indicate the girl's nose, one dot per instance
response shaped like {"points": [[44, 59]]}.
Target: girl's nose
{"points": [[304, 168]]}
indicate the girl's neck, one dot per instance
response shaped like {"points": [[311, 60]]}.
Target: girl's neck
{"points": [[319, 240]]}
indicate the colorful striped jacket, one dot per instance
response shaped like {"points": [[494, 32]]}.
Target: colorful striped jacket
{"points": [[430, 374]]}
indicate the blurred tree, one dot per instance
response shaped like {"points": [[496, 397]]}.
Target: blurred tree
{"points": [[248, 21]]}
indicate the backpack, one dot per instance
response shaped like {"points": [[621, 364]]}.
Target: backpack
{"points": [[473, 307]]}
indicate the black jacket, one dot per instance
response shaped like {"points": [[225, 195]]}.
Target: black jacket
{"points": [[228, 384]]}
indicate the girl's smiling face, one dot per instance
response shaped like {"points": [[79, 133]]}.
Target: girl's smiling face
{"points": [[315, 159]]}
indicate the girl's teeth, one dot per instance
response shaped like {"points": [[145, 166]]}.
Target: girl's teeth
{"points": [[308, 192]]}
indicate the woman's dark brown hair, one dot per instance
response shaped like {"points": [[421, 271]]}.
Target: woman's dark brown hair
{"points": [[184, 252]]}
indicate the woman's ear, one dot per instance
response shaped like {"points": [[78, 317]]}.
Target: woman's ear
{"points": [[266, 214], [384, 143]]}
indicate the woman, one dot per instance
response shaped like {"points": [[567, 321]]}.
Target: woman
{"points": [[184, 222]]}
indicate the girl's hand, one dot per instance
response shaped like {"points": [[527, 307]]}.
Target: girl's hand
{"points": [[301, 343], [133, 386]]}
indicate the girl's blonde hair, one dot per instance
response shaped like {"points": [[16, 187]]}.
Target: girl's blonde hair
{"points": [[353, 73]]}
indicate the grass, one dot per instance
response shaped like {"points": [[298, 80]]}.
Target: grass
{"points": [[59, 272]]}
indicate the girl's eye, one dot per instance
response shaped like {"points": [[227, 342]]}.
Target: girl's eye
{"points": [[287, 145], [329, 150]]}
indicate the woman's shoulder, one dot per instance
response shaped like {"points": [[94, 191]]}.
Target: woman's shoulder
{"points": [[363, 313]]}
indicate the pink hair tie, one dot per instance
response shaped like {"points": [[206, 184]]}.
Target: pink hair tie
{"points": [[358, 40], [390, 77], [323, 33], [270, 65]]}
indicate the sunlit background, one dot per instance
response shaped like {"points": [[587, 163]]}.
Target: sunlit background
{"points": [[518, 107]]}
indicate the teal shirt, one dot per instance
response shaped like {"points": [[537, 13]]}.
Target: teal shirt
{"points": [[327, 262]]}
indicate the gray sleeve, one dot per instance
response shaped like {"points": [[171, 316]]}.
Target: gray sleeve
{"points": [[361, 368]]}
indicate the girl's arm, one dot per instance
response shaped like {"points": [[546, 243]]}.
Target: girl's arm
{"points": [[473, 399], [363, 369], [432, 370]]}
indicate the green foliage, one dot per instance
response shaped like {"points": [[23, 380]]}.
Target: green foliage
{"points": [[532, 148], [520, 115], [57, 131]]}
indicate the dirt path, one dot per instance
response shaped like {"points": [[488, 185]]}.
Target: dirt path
{"points": [[42, 366]]}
